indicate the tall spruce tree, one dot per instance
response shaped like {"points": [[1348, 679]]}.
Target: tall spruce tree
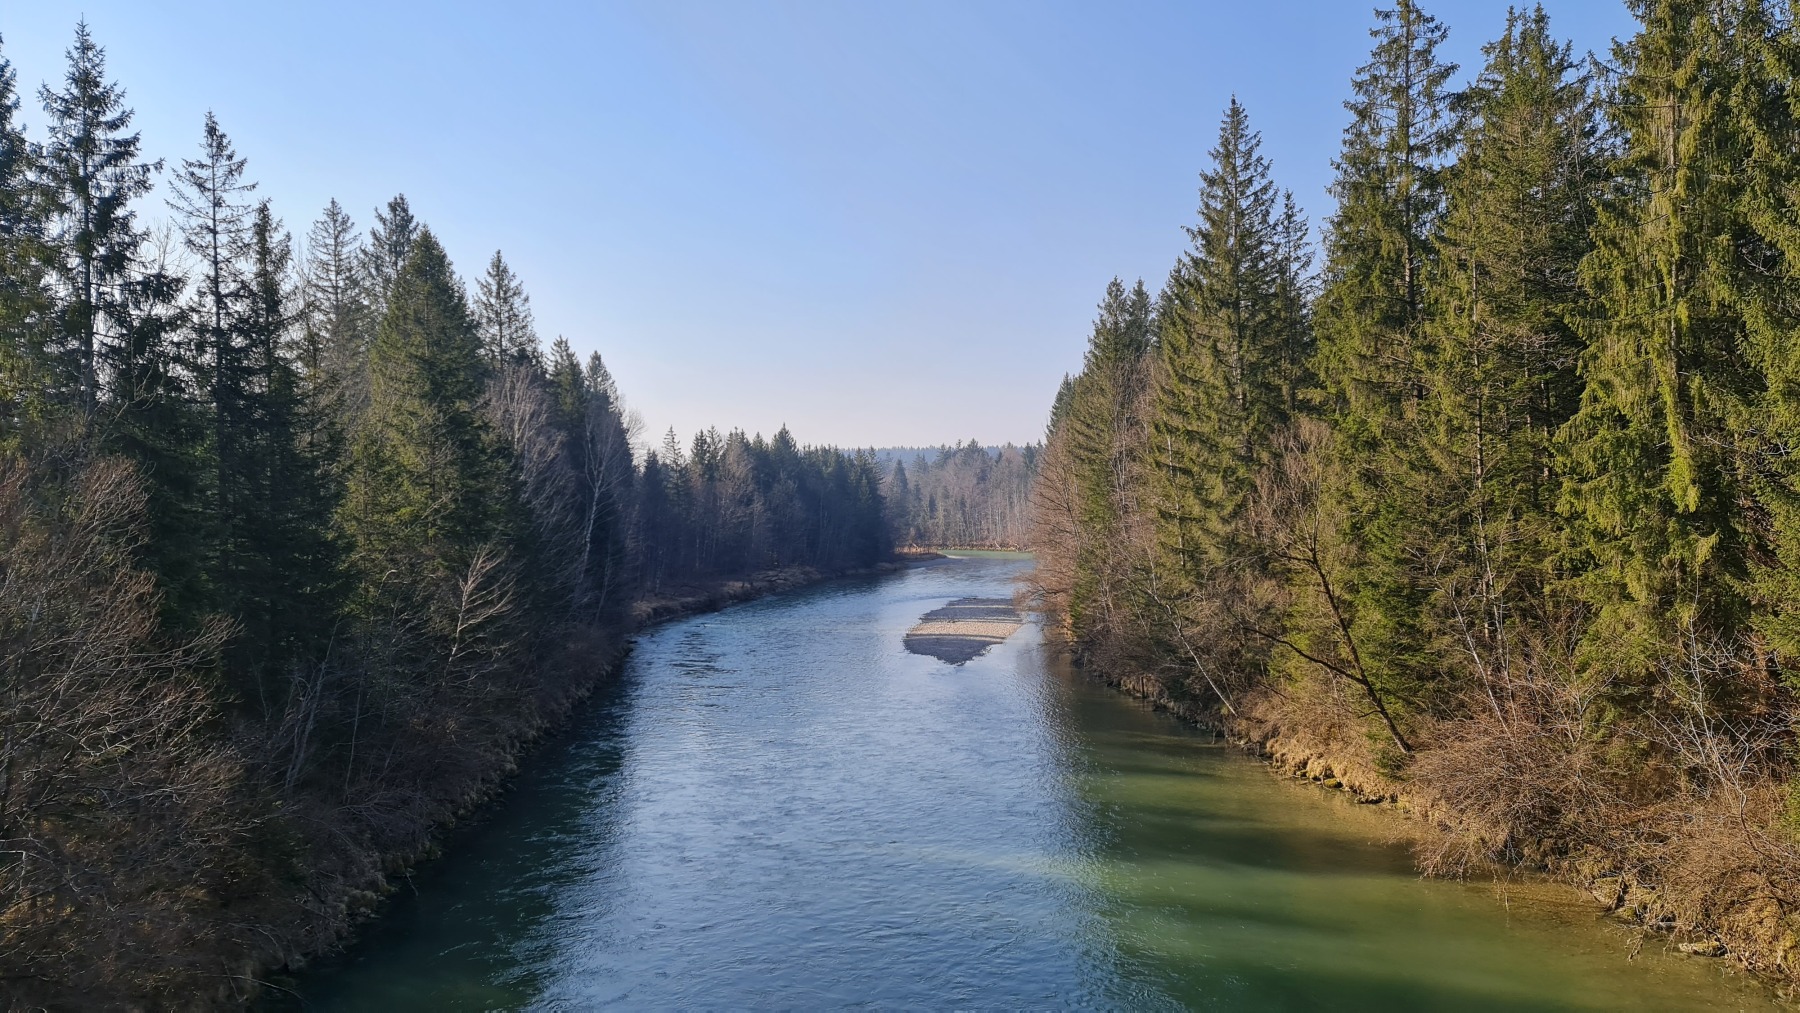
{"points": [[503, 315], [90, 174], [1767, 105], [1653, 479], [1501, 373], [336, 322], [288, 585], [656, 528], [25, 304], [1371, 336], [1098, 430], [211, 204], [1389, 189], [607, 473], [390, 243], [1295, 284], [1101, 403], [114, 354], [428, 482], [1224, 351]]}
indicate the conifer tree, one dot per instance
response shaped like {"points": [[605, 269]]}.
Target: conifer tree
{"points": [[113, 352], [17, 218], [1101, 402], [503, 315], [336, 323], [428, 481], [282, 585], [782, 513], [900, 495], [25, 305], [1501, 375], [607, 475], [584, 529], [1767, 107], [1224, 382], [90, 174], [1371, 336], [390, 243], [1293, 306], [270, 560], [1653, 477], [655, 523], [1099, 437], [1059, 405], [1389, 190], [210, 202]]}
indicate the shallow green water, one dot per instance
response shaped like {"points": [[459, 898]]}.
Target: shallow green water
{"points": [[778, 807]]}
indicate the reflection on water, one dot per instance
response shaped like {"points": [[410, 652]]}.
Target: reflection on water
{"points": [[778, 806]]}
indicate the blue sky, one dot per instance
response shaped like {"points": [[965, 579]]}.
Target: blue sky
{"points": [[879, 223]]}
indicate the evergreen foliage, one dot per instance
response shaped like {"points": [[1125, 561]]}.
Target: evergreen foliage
{"points": [[1501, 377], [1373, 338], [25, 303], [1225, 379], [337, 320], [90, 174], [1523, 543], [1549, 401], [1099, 426], [294, 556], [503, 315], [1653, 475], [390, 244], [428, 479], [1766, 105]]}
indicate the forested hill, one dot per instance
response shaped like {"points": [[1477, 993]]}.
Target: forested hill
{"points": [[1498, 510], [298, 543], [960, 496]]}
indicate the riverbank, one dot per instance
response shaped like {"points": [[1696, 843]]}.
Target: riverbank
{"points": [[1701, 875], [677, 600], [937, 551], [337, 913]]}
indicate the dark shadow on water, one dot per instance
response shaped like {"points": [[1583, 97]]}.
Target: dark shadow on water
{"points": [[428, 915]]}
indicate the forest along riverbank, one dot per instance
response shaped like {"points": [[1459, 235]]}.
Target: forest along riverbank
{"points": [[779, 805], [1480, 510]]}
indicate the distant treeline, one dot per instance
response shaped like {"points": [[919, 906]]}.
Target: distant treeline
{"points": [[295, 548], [963, 496], [1501, 509], [731, 504]]}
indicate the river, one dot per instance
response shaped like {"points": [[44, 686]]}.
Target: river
{"points": [[777, 806]]}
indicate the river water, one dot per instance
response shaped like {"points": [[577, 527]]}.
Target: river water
{"points": [[777, 806]]}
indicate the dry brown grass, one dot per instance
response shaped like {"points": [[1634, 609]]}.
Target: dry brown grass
{"points": [[1679, 818]]}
